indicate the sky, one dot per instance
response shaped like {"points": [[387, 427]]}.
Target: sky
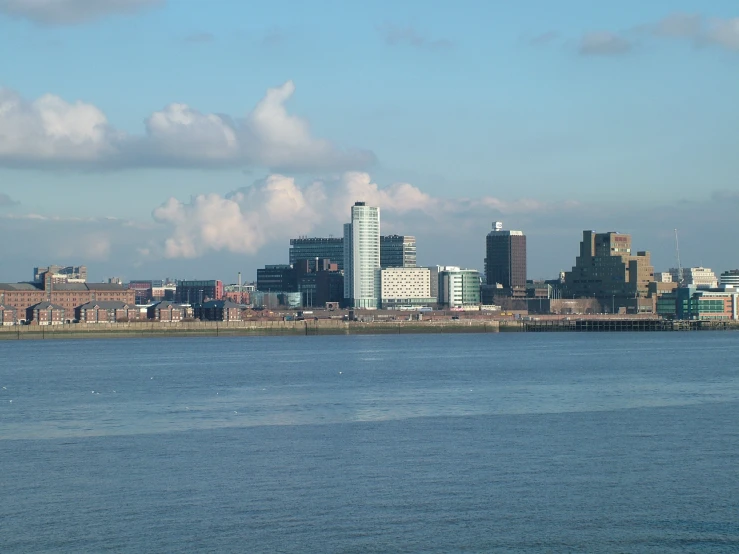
{"points": [[192, 139]]}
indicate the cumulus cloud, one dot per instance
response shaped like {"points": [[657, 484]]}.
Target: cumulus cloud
{"points": [[70, 12], [394, 35], [278, 208], [603, 43], [51, 132]]}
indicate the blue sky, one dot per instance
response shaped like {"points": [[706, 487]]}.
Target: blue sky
{"points": [[141, 138]]}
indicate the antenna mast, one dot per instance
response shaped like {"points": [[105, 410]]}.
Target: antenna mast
{"points": [[679, 265]]}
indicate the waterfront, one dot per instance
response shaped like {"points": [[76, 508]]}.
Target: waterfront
{"points": [[497, 442]]}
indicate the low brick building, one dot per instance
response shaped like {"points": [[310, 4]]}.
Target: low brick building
{"points": [[45, 313], [107, 311], [168, 312], [8, 315], [218, 310]]}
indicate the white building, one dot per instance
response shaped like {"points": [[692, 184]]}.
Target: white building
{"points": [[663, 277], [701, 277], [459, 288], [362, 257], [405, 288]]}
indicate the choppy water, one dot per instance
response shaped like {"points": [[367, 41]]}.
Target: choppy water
{"points": [[453, 443]]}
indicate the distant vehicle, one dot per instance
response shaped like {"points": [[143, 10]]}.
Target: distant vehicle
{"points": [[455, 317]]}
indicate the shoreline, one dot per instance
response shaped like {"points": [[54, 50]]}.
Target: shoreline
{"points": [[335, 327]]}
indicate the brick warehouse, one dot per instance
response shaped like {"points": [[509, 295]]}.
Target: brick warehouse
{"points": [[69, 296]]}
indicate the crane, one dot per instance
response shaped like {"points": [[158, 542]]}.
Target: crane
{"points": [[679, 265]]}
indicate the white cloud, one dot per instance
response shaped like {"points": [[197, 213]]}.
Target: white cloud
{"points": [[277, 209], [603, 43], [50, 129], [70, 12], [724, 33], [51, 132]]}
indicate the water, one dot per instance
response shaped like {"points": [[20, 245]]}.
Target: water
{"points": [[453, 443]]}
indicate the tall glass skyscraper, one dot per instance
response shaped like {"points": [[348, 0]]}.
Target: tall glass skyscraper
{"points": [[362, 257]]}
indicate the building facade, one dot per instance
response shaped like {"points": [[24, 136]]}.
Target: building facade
{"points": [[730, 278], [190, 292], [405, 288], [218, 310], [505, 258], [107, 311], [459, 288], [305, 248], [397, 251], [61, 273], [362, 257], [702, 277], [45, 313], [608, 270], [277, 278]]}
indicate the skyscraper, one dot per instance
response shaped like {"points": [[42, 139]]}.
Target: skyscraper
{"points": [[310, 248], [397, 251], [362, 257], [505, 258]]}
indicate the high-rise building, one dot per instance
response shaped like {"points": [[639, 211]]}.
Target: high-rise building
{"points": [[192, 292], [397, 251], [606, 269], [505, 258], [305, 248], [362, 257]]}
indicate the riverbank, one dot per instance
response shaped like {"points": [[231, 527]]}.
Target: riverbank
{"points": [[337, 327]]}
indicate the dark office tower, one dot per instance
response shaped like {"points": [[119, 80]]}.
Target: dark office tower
{"points": [[310, 248], [505, 260], [397, 251]]}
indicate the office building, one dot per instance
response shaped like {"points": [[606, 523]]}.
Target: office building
{"points": [[606, 269], [277, 278], [405, 288], [701, 277], [730, 278], [310, 248], [397, 251], [362, 257], [505, 258], [61, 274], [190, 292], [459, 288]]}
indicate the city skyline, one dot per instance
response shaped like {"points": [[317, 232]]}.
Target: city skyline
{"points": [[199, 144]]}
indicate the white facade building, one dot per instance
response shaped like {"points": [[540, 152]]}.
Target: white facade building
{"points": [[459, 288], [362, 257], [405, 288], [663, 277], [701, 277]]}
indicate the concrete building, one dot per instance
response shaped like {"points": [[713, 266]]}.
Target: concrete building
{"points": [[61, 273], [701, 277], [730, 278], [190, 292], [362, 257], [305, 248], [45, 313], [405, 288], [505, 258], [664, 277], [607, 269], [459, 288], [397, 251]]}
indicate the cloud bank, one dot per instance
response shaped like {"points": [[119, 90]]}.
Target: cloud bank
{"points": [[50, 132], [71, 12], [278, 208]]}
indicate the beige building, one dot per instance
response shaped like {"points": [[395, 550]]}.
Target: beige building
{"points": [[608, 269], [405, 288]]}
